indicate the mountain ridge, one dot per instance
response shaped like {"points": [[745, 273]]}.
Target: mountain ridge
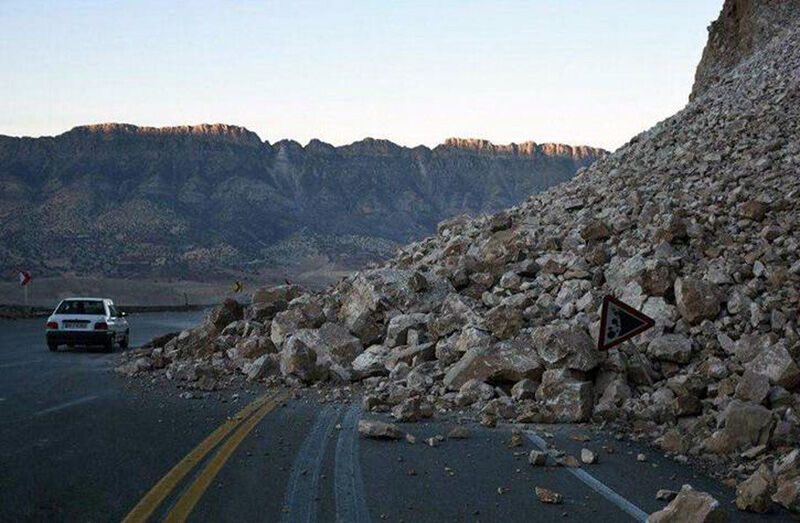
{"points": [[245, 136], [120, 200]]}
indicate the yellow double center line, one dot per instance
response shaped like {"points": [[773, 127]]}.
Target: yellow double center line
{"points": [[245, 420]]}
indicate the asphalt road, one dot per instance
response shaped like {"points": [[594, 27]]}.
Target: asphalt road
{"points": [[78, 443]]}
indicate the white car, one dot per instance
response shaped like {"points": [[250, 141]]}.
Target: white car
{"points": [[87, 321]]}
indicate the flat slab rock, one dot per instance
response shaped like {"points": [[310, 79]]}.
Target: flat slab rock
{"points": [[379, 430], [690, 506]]}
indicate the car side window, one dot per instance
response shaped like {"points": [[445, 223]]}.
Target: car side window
{"points": [[112, 311]]}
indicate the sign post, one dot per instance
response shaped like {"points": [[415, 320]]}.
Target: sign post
{"points": [[24, 280], [620, 322]]}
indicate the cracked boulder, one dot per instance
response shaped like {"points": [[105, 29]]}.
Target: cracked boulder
{"points": [[754, 493], [508, 362], [674, 348], [697, 300], [777, 365], [690, 506], [566, 395], [744, 425], [566, 346]]}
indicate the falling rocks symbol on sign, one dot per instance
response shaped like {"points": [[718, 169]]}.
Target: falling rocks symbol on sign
{"points": [[620, 322]]}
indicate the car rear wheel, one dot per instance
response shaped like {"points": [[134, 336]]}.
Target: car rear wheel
{"points": [[109, 345], [125, 341]]}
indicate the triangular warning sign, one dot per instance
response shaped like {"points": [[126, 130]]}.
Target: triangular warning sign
{"points": [[619, 322]]}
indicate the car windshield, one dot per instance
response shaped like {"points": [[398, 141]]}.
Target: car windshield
{"points": [[82, 307]]}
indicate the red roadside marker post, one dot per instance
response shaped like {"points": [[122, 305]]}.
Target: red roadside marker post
{"points": [[24, 280], [619, 322]]}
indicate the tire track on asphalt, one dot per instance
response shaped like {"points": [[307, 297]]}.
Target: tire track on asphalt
{"points": [[68, 404], [595, 484], [348, 484], [302, 495]]}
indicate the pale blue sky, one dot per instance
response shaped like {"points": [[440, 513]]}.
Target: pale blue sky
{"points": [[574, 71]]}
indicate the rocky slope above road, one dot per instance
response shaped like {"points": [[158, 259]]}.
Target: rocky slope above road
{"points": [[696, 222], [191, 202]]}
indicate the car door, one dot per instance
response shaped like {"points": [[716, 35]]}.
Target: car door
{"points": [[116, 323]]}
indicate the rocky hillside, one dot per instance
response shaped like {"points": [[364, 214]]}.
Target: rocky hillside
{"points": [[190, 202], [696, 222], [743, 27]]}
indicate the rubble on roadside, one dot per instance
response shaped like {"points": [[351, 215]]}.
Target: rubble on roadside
{"points": [[695, 222]]}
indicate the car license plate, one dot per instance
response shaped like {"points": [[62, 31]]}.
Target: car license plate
{"points": [[73, 324]]}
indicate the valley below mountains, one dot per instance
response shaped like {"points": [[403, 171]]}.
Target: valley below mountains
{"points": [[215, 202]]}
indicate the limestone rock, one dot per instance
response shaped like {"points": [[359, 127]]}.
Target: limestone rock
{"points": [[372, 362], [788, 494], [744, 425], [777, 364], [549, 496], [300, 361], [697, 300], [671, 347], [502, 362], [537, 458], [753, 387], [379, 430], [568, 397], [754, 493], [227, 313], [690, 506], [397, 330], [565, 347]]}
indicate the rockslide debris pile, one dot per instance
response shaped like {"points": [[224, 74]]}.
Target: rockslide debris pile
{"points": [[696, 222]]}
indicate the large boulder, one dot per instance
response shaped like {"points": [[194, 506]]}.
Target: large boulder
{"points": [[192, 343], [504, 321], [375, 291], [269, 301], [690, 506], [254, 347], [226, 313], [400, 325], [411, 410], [372, 362], [260, 367], [752, 387], [334, 346], [788, 494], [284, 293], [566, 346], [410, 353], [675, 348], [457, 311], [379, 430], [697, 300], [753, 494], [744, 425], [286, 323], [566, 395], [777, 365], [300, 361], [472, 338], [244, 329], [509, 362]]}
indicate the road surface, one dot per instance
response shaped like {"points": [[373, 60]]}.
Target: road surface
{"points": [[78, 443]]}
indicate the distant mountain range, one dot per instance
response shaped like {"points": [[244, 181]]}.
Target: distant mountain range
{"points": [[210, 201]]}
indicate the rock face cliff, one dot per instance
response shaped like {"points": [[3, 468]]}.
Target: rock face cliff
{"points": [[695, 222], [743, 27], [189, 202]]}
